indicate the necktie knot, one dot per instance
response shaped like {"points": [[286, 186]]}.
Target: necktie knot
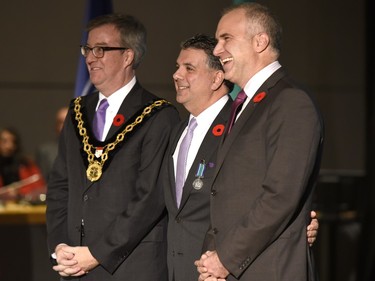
{"points": [[192, 124], [241, 96], [236, 107], [103, 105]]}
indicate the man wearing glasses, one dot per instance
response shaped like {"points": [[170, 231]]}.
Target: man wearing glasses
{"points": [[105, 217]]}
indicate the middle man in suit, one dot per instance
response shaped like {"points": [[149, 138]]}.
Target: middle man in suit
{"points": [[202, 90]]}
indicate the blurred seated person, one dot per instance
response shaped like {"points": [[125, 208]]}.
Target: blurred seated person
{"points": [[19, 176], [47, 152]]}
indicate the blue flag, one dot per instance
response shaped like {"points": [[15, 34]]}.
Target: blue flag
{"points": [[94, 8]]}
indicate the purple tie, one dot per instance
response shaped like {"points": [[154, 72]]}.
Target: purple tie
{"points": [[99, 119], [182, 158], [236, 107]]}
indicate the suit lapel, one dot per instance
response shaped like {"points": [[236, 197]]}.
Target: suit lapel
{"points": [[207, 149], [245, 117], [88, 109], [130, 105]]}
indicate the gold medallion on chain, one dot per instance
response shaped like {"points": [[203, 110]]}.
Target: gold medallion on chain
{"points": [[95, 168]]}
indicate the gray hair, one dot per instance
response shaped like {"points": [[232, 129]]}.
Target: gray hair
{"points": [[132, 32]]}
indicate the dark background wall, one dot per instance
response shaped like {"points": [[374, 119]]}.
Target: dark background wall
{"points": [[324, 48]]}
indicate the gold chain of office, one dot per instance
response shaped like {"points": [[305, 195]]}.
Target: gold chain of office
{"points": [[95, 168]]}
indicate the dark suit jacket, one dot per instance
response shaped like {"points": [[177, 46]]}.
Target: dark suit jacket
{"points": [[123, 211], [188, 225], [261, 193]]}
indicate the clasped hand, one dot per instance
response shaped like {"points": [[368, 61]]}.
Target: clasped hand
{"points": [[210, 267], [73, 261]]}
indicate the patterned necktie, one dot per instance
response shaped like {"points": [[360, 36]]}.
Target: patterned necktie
{"points": [[99, 119], [236, 107], [182, 158]]}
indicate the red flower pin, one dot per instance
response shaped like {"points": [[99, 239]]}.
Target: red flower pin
{"points": [[259, 97], [218, 130], [118, 120]]}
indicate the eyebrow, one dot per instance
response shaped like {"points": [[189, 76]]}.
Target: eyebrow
{"points": [[98, 44], [224, 35], [189, 64]]}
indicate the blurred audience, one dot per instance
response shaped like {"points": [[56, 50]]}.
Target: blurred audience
{"points": [[20, 177], [47, 152]]}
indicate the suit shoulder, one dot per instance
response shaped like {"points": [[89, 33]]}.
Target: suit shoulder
{"points": [[288, 89], [168, 114], [167, 109]]}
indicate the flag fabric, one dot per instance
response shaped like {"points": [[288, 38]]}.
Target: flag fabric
{"points": [[93, 9]]}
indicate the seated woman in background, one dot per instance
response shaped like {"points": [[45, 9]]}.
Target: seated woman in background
{"points": [[19, 176]]}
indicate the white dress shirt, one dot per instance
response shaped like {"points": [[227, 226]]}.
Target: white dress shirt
{"points": [[204, 121], [256, 81], [115, 100]]}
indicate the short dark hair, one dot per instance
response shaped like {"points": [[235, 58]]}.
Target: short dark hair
{"points": [[207, 44], [132, 33]]}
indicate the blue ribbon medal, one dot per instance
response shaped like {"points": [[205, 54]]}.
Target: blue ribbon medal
{"points": [[198, 183]]}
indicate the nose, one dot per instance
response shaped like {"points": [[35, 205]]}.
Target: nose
{"points": [[177, 74], [90, 57], [218, 49]]}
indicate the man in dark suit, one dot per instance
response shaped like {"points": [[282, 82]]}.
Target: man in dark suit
{"points": [[201, 88], [105, 214], [267, 164]]}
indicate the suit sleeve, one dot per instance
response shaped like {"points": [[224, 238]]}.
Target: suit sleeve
{"points": [[292, 134], [57, 195]]}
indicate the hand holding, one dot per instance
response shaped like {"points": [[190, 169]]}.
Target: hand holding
{"points": [[210, 266], [66, 264], [84, 258]]}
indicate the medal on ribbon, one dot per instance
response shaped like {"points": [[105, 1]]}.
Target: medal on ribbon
{"points": [[198, 182]]}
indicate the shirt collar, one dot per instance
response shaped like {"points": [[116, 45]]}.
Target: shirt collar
{"points": [[259, 78], [116, 99], [208, 115]]}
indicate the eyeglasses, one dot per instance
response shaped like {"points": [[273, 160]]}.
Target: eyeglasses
{"points": [[98, 51]]}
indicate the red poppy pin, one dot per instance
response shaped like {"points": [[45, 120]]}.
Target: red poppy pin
{"points": [[118, 120], [258, 97], [218, 130]]}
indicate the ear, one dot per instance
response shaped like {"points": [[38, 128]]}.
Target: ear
{"points": [[218, 80], [261, 42], [128, 57]]}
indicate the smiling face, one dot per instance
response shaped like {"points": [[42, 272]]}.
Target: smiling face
{"points": [[236, 48], [111, 72], [195, 81]]}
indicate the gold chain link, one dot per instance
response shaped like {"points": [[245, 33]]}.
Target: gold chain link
{"points": [[89, 148]]}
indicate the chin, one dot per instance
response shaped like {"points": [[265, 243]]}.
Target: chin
{"points": [[179, 100]]}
